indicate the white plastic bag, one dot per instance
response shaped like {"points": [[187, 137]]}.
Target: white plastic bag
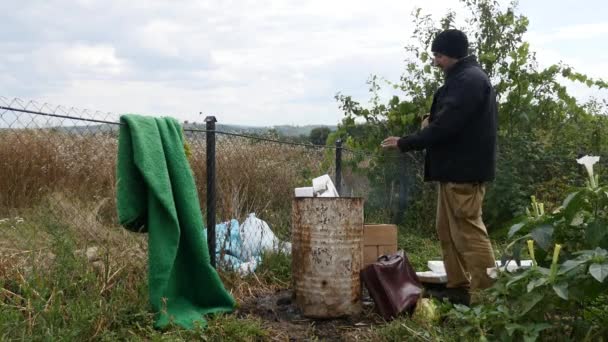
{"points": [[257, 238]]}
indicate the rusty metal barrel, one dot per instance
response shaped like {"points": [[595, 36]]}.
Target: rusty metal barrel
{"points": [[327, 255]]}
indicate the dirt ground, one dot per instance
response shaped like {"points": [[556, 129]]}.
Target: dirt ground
{"points": [[281, 315]]}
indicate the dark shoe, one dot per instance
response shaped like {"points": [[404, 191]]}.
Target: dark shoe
{"points": [[455, 296]]}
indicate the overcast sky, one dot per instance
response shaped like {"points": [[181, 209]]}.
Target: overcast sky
{"points": [[262, 62]]}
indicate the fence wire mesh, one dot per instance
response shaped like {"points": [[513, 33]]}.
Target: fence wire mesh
{"points": [[57, 185], [255, 179], [63, 160]]}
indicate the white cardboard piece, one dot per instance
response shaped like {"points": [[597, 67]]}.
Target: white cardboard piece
{"points": [[436, 266], [321, 187], [304, 192]]}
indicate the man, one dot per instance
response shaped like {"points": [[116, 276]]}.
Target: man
{"points": [[460, 143]]}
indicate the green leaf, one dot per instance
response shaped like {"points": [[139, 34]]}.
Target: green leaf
{"points": [[424, 57], [529, 302], [515, 228], [543, 236], [536, 283], [517, 278], [569, 199], [462, 308], [596, 231], [502, 309], [599, 271], [574, 205], [586, 254], [578, 219], [569, 265], [513, 327], [600, 252], [561, 290], [533, 331], [477, 310]]}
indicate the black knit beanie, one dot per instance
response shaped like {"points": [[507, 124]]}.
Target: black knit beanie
{"points": [[452, 43]]}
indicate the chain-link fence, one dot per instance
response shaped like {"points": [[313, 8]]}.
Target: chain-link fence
{"points": [[254, 179], [64, 159]]}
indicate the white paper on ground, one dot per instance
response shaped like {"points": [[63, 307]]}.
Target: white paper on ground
{"points": [[436, 266], [437, 273], [432, 277], [492, 272], [512, 265]]}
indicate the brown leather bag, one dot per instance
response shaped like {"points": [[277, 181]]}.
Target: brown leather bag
{"points": [[392, 284]]}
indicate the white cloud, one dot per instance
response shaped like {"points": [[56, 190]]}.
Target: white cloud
{"points": [[247, 61], [263, 62], [567, 44], [578, 32], [61, 62], [160, 36], [97, 59]]}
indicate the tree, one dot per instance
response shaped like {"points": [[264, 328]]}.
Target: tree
{"points": [[318, 135], [538, 119]]}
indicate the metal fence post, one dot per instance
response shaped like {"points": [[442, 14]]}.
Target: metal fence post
{"points": [[339, 166], [210, 121]]}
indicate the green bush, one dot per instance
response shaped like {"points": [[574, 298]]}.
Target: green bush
{"points": [[562, 296]]}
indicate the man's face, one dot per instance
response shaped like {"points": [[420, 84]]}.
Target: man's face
{"points": [[442, 61]]}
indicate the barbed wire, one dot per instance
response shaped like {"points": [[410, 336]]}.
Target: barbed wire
{"points": [[249, 178], [364, 153], [58, 115], [253, 137], [197, 130]]}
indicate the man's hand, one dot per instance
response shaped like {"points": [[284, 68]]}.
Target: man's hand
{"points": [[390, 143], [425, 121]]}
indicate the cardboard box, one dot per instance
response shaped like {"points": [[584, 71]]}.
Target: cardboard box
{"points": [[378, 239]]}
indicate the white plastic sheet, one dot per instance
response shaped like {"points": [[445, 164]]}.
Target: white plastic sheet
{"points": [[240, 247], [258, 238], [437, 273]]}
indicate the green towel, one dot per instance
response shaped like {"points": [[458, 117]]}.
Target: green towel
{"points": [[156, 193]]}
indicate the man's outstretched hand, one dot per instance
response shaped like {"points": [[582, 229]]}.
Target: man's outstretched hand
{"points": [[390, 143]]}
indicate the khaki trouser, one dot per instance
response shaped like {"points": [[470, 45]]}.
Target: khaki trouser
{"points": [[467, 251]]}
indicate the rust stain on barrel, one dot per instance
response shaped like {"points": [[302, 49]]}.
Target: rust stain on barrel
{"points": [[327, 255]]}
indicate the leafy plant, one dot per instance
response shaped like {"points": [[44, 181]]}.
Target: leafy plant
{"points": [[569, 271], [541, 125], [579, 223]]}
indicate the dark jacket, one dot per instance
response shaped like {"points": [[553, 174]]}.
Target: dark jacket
{"points": [[460, 140]]}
